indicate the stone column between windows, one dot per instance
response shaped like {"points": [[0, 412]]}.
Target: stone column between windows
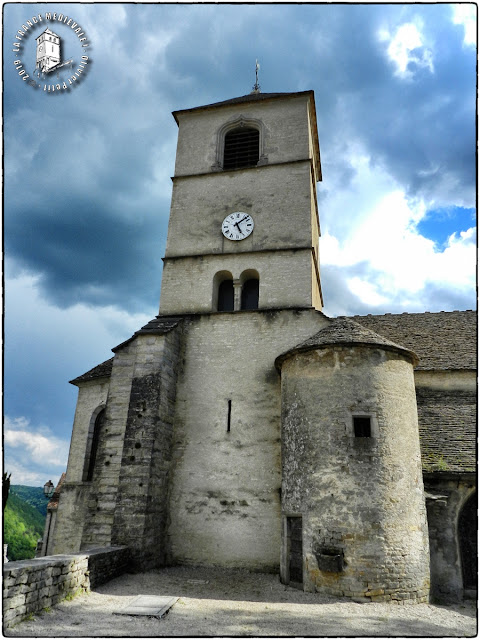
{"points": [[237, 295]]}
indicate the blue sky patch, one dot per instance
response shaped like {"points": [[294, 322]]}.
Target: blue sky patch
{"points": [[439, 224]]}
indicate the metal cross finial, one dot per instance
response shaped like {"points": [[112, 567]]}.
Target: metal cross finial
{"points": [[256, 86]]}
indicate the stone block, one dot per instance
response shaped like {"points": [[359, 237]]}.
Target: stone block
{"points": [[43, 593], [21, 611], [8, 581], [22, 578], [31, 597], [380, 598], [58, 597], [15, 601], [10, 615]]}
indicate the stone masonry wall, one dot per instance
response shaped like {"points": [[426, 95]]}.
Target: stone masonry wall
{"points": [[30, 586], [446, 495], [361, 498], [275, 269], [66, 537], [226, 468], [100, 505], [141, 510], [123, 469]]}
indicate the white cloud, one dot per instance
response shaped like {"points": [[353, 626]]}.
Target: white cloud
{"points": [[373, 236], [466, 15], [22, 475], [32, 454], [366, 291], [455, 265], [38, 444], [406, 49]]}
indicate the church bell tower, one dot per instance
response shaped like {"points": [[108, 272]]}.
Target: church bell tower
{"points": [[187, 467], [243, 230]]}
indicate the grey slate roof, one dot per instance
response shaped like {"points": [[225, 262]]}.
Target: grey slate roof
{"points": [[446, 418], [444, 340], [157, 326], [249, 97], [447, 425], [102, 370], [345, 331]]}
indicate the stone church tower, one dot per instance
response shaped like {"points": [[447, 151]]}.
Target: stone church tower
{"points": [[222, 433], [48, 51]]}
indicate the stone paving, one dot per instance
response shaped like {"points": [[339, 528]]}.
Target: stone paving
{"points": [[233, 603]]}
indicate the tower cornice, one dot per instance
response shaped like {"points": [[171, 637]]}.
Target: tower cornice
{"points": [[240, 170]]}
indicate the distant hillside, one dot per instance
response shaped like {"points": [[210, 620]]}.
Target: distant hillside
{"points": [[23, 521], [31, 495]]}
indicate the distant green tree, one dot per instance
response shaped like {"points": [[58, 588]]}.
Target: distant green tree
{"points": [[23, 525], [5, 488], [33, 496]]}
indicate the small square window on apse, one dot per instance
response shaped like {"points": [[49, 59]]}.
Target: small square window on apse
{"points": [[362, 426]]}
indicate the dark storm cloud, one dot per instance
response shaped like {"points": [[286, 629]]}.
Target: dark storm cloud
{"points": [[96, 162], [86, 253], [421, 129]]}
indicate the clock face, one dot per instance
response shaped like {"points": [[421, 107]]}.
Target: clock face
{"points": [[237, 226]]}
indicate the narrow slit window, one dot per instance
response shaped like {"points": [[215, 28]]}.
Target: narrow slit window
{"points": [[229, 416], [362, 426]]}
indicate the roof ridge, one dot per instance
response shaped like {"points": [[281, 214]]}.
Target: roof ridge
{"points": [[410, 313], [342, 330], [248, 97]]}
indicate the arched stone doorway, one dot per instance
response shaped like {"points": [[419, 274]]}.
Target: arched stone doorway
{"points": [[467, 537]]}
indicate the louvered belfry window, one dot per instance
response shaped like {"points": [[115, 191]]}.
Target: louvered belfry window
{"points": [[241, 148]]}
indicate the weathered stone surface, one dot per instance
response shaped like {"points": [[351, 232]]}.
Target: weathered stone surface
{"points": [[360, 495], [189, 462], [224, 493], [446, 494], [30, 590]]}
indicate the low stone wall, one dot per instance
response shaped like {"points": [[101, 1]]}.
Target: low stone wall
{"points": [[29, 586]]}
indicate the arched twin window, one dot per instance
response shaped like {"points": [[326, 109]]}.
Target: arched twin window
{"points": [[230, 295], [225, 296], [250, 289]]}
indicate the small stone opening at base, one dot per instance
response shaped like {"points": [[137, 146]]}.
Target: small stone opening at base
{"points": [[330, 560]]}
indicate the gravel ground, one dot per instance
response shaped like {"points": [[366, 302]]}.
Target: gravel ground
{"points": [[216, 602]]}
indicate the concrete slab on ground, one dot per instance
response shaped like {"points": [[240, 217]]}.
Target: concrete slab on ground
{"points": [[148, 606]]}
